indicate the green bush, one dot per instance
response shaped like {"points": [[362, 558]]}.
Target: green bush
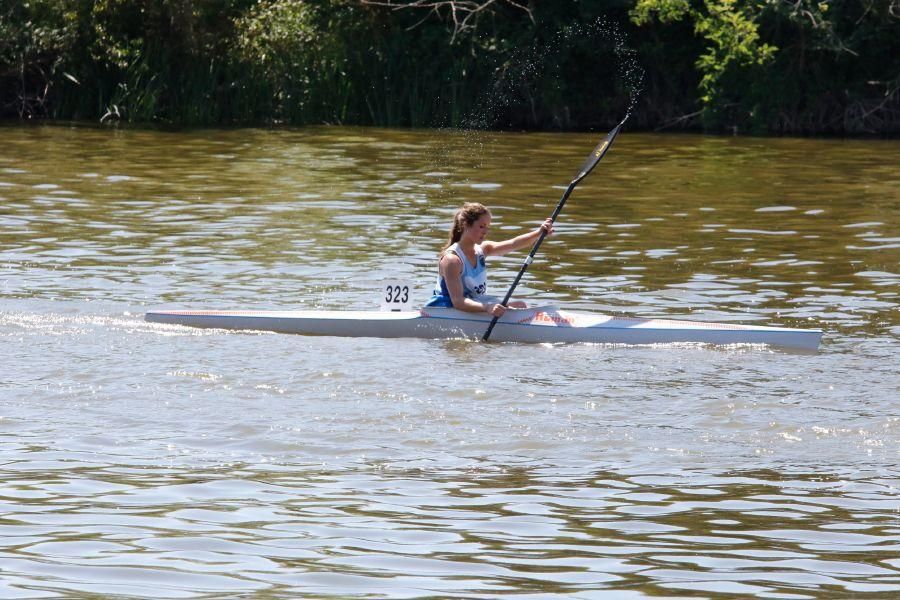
{"points": [[754, 66]]}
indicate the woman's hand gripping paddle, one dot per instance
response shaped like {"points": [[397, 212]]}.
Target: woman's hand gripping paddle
{"points": [[586, 168]]}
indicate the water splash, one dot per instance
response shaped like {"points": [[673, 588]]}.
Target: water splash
{"points": [[575, 56], [536, 81]]}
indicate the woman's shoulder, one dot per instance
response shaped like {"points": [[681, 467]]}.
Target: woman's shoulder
{"points": [[450, 256]]}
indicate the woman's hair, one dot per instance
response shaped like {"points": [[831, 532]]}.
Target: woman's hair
{"points": [[467, 214]]}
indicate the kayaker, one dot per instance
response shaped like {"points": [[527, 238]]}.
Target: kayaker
{"points": [[462, 270]]}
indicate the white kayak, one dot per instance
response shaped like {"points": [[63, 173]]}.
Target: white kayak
{"points": [[545, 324]]}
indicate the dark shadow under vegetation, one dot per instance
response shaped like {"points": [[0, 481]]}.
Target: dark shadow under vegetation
{"points": [[735, 66]]}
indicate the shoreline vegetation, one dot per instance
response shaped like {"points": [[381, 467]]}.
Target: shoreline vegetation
{"points": [[762, 67]]}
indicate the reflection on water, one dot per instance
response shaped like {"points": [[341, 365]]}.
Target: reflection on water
{"points": [[158, 461]]}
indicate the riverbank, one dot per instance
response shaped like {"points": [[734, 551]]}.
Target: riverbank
{"points": [[125, 126], [741, 68]]}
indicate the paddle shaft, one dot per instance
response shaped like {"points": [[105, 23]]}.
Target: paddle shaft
{"points": [[530, 258], [586, 168]]}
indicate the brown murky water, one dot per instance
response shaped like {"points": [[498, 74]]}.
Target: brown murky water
{"points": [[153, 461]]}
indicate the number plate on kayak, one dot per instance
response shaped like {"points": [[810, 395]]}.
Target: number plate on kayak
{"points": [[396, 295]]}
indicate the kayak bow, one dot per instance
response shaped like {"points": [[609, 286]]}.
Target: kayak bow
{"points": [[545, 324]]}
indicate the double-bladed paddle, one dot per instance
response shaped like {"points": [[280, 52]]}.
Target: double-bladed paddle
{"points": [[586, 168]]}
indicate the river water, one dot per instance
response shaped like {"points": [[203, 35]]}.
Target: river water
{"points": [[143, 460]]}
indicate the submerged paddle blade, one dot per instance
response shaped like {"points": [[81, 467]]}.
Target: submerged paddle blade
{"points": [[598, 152]]}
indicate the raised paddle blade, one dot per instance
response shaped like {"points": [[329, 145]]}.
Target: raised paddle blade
{"points": [[598, 152]]}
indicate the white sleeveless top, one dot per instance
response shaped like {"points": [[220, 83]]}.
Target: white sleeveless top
{"points": [[474, 278]]}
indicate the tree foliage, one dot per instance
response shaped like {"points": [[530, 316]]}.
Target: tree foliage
{"points": [[35, 38], [766, 66], [733, 48]]}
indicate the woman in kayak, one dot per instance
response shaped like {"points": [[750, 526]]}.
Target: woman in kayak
{"points": [[462, 272]]}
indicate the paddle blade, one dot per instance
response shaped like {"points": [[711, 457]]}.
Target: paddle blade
{"points": [[598, 152]]}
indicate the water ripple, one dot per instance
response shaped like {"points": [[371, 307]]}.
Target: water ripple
{"points": [[146, 460]]}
